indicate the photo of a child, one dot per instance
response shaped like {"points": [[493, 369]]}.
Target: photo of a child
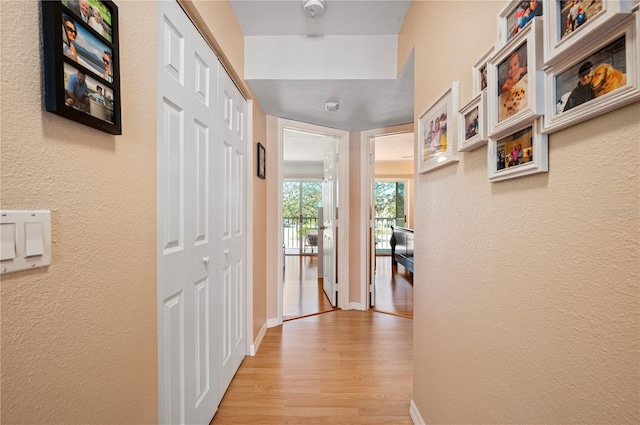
{"points": [[513, 83]]}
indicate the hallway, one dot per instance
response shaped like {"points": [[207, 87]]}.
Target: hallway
{"points": [[334, 368]]}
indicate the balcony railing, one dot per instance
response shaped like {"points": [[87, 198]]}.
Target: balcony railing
{"points": [[382, 232], [293, 240], [292, 235]]}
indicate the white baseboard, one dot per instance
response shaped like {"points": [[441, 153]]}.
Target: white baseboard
{"points": [[356, 306], [415, 414], [272, 323], [253, 348]]}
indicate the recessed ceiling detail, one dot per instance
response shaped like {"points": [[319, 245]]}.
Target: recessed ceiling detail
{"points": [[366, 101]]}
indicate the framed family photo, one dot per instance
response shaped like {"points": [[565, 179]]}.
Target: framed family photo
{"points": [[472, 124], [81, 59], [516, 82], [521, 153], [437, 129], [480, 73], [515, 16], [571, 24], [595, 81]]}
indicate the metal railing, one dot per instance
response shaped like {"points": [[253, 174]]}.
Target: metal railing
{"points": [[293, 241], [292, 226], [382, 232]]}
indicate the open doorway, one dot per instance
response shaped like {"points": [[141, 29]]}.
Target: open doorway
{"points": [[308, 238], [389, 183]]}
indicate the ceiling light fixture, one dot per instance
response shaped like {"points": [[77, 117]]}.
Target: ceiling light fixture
{"points": [[331, 106], [313, 8]]}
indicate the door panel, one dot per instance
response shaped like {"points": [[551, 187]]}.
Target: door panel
{"points": [[328, 235], [187, 74], [232, 250]]}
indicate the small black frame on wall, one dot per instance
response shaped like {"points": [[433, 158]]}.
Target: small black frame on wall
{"points": [[82, 62], [262, 161]]}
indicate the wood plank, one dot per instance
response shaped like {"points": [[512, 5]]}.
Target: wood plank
{"points": [[341, 367], [394, 288]]}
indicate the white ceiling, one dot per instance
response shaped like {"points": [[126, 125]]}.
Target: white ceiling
{"points": [[394, 147], [364, 103], [300, 146]]}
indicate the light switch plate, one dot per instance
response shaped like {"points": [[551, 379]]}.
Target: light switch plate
{"points": [[32, 234]]}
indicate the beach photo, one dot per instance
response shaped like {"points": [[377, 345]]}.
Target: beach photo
{"points": [[84, 48]]}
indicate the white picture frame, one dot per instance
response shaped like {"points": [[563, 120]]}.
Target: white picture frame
{"points": [[619, 48], [531, 151], [432, 153], [472, 124], [479, 72], [510, 20], [508, 108], [563, 35]]}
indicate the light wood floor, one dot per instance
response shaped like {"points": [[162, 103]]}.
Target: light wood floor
{"points": [[394, 288], [303, 295], [342, 367], [302, 292]]}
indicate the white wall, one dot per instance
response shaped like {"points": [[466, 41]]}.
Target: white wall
{"points": [[302, 170]]}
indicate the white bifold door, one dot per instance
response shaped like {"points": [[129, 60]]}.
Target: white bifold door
{"points": [[201, 223]]}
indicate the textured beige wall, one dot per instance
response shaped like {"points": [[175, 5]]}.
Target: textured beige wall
{"points": [[259, 225], [272, 226], [79, 338], [355, 249], [526, 302]]}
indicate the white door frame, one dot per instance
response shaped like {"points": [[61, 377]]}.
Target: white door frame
{"points": [[343, 203], [366, 202]]}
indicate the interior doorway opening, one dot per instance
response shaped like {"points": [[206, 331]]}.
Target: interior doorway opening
{"points": [[313, 186], [387, 179]]}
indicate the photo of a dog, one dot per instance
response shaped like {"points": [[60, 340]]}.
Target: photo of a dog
{"points": [[606, 79], [596, 75]]}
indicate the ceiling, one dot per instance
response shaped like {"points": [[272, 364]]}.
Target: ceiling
{"points": [[300, 146], [364, 103]]}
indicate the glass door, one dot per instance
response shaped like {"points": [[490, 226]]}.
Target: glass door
{"points": [[301, 200], [390, 208]]}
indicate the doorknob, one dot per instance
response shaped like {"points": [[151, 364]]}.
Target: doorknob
{"points": [[226, 252], [322, 227], [206, 260]]}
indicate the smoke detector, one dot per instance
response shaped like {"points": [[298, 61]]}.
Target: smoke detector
{"points": [[313, 8], [331, 106]]}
